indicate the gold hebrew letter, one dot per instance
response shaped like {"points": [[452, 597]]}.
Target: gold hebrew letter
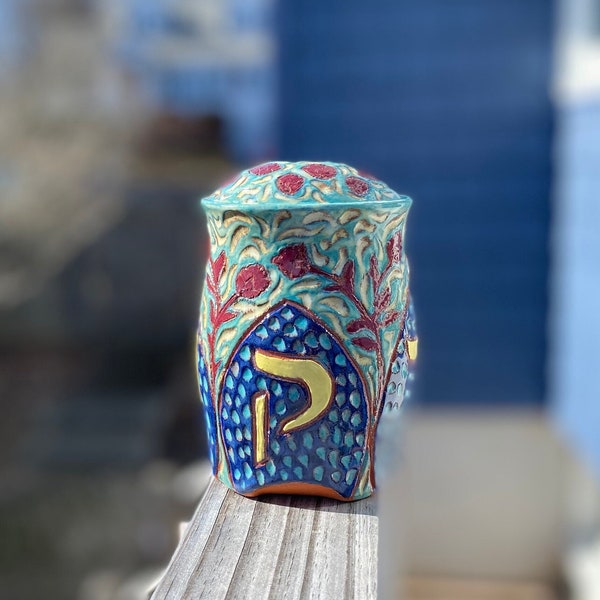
{"points": [[260, 407], [309, 373]]}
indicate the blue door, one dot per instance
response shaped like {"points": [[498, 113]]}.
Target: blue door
{"points": [[447, 102]]}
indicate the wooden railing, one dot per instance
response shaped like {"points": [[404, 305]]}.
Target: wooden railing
{"points": [[274, 547]]}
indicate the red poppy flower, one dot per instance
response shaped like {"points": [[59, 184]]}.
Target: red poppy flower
{"points": [[293, 261], [289, 184], [320, 171], [358, 186], [265, 169], [251, 281]]}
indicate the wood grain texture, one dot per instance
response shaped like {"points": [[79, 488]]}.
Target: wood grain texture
{"points": [[274, 547]]}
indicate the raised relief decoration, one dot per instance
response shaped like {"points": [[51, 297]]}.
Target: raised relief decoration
{"points": [[306, 335], [292, 407]]}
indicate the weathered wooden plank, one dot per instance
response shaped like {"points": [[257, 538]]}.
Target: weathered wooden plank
{"points": [[278, 560], [198, 530], [274, 547]]}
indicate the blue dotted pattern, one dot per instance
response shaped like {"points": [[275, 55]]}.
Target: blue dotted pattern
{"points": [[209, 411], [411, 322], [398, 387], [328, 452]]}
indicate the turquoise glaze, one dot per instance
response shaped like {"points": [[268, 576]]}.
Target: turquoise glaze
{"points": [[306, 329]]}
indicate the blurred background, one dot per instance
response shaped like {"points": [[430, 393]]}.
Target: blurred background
{"points": [[117, 115]]}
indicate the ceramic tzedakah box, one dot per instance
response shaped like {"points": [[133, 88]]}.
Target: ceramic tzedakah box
{"points": [[306, 329]]}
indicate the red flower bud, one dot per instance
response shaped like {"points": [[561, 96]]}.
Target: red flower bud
{"points": [[394, 248], [289, 184], [252, 281], [320, 171], [265, 169], [293, 261], [358, 186]]}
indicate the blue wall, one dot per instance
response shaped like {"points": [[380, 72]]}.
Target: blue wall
{"points": [[575, 352], [449, 103]]}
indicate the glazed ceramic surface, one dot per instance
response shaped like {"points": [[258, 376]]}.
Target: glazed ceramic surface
{"points": [[306, 329]]}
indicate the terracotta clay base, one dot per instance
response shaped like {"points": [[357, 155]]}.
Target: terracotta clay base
{"points": [[298, 489]]}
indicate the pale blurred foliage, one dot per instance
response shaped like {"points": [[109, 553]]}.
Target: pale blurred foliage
{"points": [[62, 155]]}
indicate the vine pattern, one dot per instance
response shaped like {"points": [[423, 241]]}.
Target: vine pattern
{"points": [[355, 251], [365, 331], [250, 282]]}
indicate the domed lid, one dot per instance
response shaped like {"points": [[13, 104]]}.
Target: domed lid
{"points": [[280, 184]]}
